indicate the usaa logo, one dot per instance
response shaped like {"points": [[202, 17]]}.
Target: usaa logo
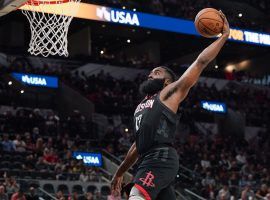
{"points": [[117, 16], [34, 80]]}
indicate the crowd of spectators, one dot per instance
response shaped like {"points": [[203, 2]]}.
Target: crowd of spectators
{"points": [[262, 79], [189, 8], [220, 166], [113, 96], [34, 146], [225, 166], [120, 96]]}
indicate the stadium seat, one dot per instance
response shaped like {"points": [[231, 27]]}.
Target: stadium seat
{"points": [[2, 166], [6, 164], [91, 188], [49, 188], [48, 176], [105, 190], [17, 165], [63, 188], [34, 184], [82, 197], [78, 189], [18, 158], [15, 172], [6, 157]]}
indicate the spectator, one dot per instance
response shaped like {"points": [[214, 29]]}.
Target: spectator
{"points": [[247, 193], [19, 144], [84, 177], [89, 196], [262, 192], [3, 195], [30, 146], [114, 196], [74, 196], [208, 192], [7, 145], [205, 163], [18, 196], [208, 180], [224, 193], [49, 157], [241, 158], [32, 194], [11, 185], [39, 146], [59, 195]]}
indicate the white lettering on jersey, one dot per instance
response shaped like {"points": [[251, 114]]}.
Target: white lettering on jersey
{"points": [[138, 122], [148, 104]]}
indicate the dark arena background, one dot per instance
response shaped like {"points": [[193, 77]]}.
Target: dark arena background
{"points": [[66, 123]]}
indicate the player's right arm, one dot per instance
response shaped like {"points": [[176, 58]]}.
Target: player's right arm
{"points": [[129, 161], [174, 93]]}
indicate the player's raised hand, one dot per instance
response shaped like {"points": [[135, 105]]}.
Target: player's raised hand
{"points": [[226, 26], [116, 185]]}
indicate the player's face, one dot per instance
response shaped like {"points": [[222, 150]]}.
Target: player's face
{"points": [[154, 83], [157, 73]]}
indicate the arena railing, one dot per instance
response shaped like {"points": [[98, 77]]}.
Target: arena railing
{"points": [[192, 195]]}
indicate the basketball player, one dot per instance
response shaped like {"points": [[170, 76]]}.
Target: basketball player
{"points": [[155, 123]]}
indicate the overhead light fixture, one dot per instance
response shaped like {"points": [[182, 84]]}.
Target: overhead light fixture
{"points": [[124, 7], [230, 68], [128, 41], [101, 52], [216, 66], [10, 83], [126, 130], [240, 15], [134, 9], [22, 91]]}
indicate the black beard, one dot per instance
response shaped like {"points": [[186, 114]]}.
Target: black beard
{"points": [[150, 87]]}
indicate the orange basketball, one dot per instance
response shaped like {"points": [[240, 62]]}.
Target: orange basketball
{"points": [[208, 22]]}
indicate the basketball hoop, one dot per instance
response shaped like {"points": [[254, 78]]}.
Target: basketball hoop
{"points": [[49, 25]]}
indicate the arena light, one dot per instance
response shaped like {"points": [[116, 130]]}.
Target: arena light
{"points": [[10, 83], [230, 68], [101, 52], [240, 15], [22, 91], [128, 41], [126, 130], [244, 65], [216, 66], [134, 10]]}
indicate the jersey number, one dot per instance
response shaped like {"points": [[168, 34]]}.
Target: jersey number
{"points": [[138, 122]]}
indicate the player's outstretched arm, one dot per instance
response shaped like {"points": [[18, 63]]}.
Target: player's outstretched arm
{"points": [[174, 93], [131, 158]]}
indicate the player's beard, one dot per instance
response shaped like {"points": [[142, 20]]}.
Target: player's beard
{"points": [[151, 86]]}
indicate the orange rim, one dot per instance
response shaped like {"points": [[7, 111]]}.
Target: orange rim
{"points": [[36, 3]]}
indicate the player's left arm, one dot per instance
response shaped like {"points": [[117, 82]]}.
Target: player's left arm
{"points": [[174, 93]]}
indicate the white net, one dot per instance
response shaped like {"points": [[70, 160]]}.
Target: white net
{"points": [[49, 24]]}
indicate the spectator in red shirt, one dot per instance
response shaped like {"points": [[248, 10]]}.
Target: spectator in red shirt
{"points": [[49, 157], [18, 196]]}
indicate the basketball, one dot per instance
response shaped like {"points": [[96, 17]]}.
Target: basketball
{"points": [[208, 22]]}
